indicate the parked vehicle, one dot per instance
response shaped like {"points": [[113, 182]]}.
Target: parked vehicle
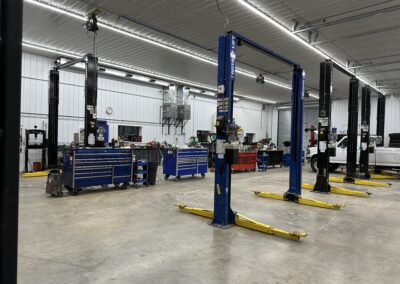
{"points": [[382, 157]]}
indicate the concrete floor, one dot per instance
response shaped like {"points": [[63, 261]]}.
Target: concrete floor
{"points": [[139, 236]]}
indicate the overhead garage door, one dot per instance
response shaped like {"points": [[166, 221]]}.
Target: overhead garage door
{"points": [[310, 117]]}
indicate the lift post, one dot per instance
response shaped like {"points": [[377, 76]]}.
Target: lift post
{"points": [[90, 100], [380, 118], [324, 127], [91, 75], [53, 119], [365, 126], [227, 148], [352, 128]]}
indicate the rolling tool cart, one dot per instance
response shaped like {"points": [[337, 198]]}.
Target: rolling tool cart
{"points": [[247, 162], [140, 172], [97, 167], [182, 162], [262, 160]]}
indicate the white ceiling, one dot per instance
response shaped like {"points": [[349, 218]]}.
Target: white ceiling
{"points": [[194, 26]]}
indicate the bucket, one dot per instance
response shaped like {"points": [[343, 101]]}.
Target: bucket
{"points": [[36, 166]]}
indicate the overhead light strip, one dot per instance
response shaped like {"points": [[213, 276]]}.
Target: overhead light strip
{"points": [[131, 69], [175, 48], [299, 39]]}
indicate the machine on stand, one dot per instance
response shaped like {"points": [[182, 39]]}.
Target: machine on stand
{"points": [[35, 139]]}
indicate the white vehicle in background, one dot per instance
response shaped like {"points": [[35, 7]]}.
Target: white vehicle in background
{"points": [[384, 158]]}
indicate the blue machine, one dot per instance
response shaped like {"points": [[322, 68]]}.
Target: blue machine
{"points": [[182, 162], [102, 131], [262, 160], [97, 167], [223, 214]]}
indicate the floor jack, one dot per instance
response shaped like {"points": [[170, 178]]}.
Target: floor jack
{"points": [[227, 148]]}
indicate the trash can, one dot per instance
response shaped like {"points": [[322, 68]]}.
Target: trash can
{"points": [[55, 183], [152, 172]]}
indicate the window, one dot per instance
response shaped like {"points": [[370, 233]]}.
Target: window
{"points": [[130, 133]]}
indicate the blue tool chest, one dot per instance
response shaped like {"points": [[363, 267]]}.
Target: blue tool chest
{"points": [[97, 166], [181, 162]]}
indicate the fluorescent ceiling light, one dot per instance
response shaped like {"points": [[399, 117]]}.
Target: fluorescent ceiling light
{"points": [[299, 39], [134, 70], [173, 48]]}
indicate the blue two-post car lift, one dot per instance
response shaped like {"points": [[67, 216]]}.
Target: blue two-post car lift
{"points": [[227, 151]]}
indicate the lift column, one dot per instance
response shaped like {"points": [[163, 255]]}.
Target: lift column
{"points": [[324, 127], [223, 214], [296, 136], [380, 119], [53, 119], [365, 121], [351, 165], [90, 100]]}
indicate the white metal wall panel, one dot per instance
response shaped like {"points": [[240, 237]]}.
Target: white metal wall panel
{"points": [[392, 117], [133, 103]]}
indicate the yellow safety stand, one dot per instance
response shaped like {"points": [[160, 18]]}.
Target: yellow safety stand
{"points": [[245, 222], [340, 190], [360, 182], [301, 200], [35, 174]]}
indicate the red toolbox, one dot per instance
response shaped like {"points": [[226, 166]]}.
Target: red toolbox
{"points": [[247, 162]]}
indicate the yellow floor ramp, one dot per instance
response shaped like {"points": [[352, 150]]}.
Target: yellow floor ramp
{"points": [[360, 182], [339, 190], [301, 200], [245, 222]]}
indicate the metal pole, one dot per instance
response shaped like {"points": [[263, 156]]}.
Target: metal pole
{"points": [[70, 63], [90, 100], [351, 165], [10, 112], [365, 121], [380, 117], [53, 119], [296, 138], [324, 127], [223, 214]]}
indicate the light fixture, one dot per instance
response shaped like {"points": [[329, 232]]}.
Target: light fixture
{"points": [[299, 39], [173, 48], [139, 74]]}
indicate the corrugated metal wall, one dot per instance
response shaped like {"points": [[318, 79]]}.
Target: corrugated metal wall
{"points": [[132, 103]]}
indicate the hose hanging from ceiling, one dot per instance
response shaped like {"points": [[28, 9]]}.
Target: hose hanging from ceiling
{"points": [[223, 15]]}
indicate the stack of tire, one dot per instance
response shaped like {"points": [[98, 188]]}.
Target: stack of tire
{"points": [[394, 141]]}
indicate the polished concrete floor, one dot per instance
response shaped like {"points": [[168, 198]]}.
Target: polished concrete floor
{"points": [[139, 236]]}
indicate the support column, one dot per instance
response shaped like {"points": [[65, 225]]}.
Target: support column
{"points": [[365, 122], [223, 214], [52, 159], [10, 112], [352, 128], [380, 118], [90, 101], [324, 127], [296, 136]]}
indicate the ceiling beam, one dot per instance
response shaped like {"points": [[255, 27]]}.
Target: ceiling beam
{"points": [[371, 64], [357, 35], [379, 71], [347, 19]]}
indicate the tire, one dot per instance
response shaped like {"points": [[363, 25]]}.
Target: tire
{"points": [[314, 164], [203, 175], [333, 167]]}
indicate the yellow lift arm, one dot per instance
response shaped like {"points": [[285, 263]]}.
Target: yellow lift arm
{"points": [[301, 200], [340, 190], [360, 182], [245, 222]]}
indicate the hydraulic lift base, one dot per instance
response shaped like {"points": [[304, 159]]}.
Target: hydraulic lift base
{"points": [[245, 222], [360, 182], [301, 200], [340, 190]]}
